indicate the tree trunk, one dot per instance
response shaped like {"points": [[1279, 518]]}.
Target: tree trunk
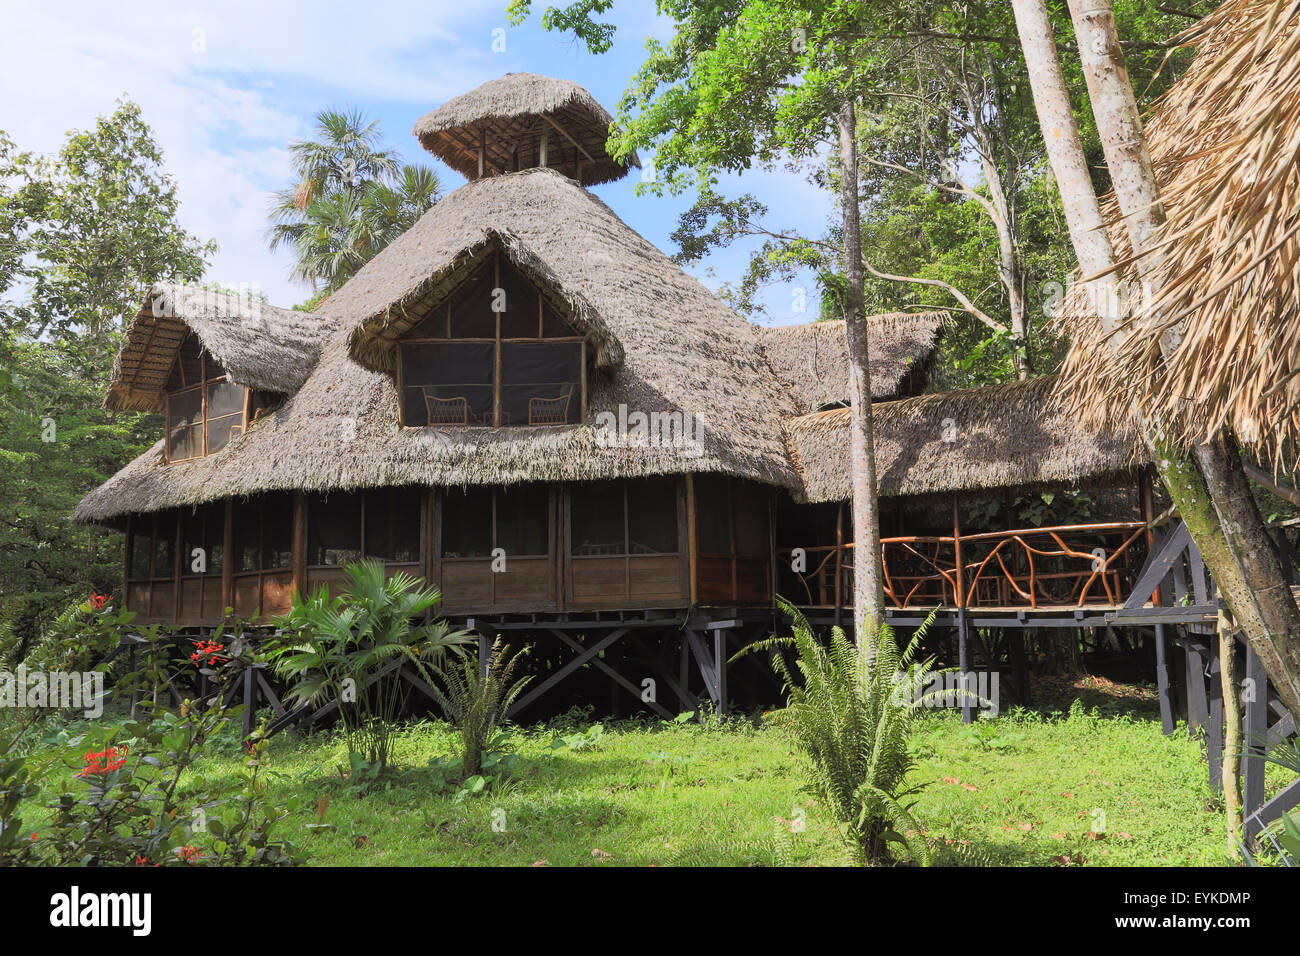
{"points": [[1232, 734], [1237, 549], [868, 587]]}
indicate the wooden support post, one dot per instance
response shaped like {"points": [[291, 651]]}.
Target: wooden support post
{"points": [[1019, 665], [482, 151], [684, 678], [963, 665], [1162, 682], [1198, 710], [228, 559], [959, 577], [1255, 732], [250, 701], [720, 668], [300, 544], [1214, 724], [839, 562], [543, 149]]}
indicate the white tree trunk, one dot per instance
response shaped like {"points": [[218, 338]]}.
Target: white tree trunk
{"points": [[868, 582]]}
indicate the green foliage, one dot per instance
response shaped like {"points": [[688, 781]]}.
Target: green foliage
{"points": [[128, 805], [477, 702], [852, 715], [349, 200], [351, 648], [82, 235]]}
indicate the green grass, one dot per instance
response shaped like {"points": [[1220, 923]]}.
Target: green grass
{"points": [[1079, 788], [1088, 780]]}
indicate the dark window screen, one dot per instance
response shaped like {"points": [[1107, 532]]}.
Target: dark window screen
{"points": [[449, 372], [751, 520], [141, 548], [554, 327], [713, 514], [519, 320], [214, 535], [597, 518], [164, 546], [433, 326], [467, 523], [522, 514], [334, 529], [277, 532], [471, 308], [393, 524], [652, 516], [541, 383], [247, 520]]}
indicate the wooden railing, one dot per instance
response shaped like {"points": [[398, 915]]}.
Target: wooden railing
{"points": [[1060, 566]]}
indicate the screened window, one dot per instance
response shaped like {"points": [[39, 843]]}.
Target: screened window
{"points": [[731, 516], [477, 520], [205, 531], [382, 523], [263, 534], [153, 547], [204, 410], [496, 353], [627, 517]]}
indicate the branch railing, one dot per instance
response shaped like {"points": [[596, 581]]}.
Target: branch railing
{"points": [[1058, 566]]}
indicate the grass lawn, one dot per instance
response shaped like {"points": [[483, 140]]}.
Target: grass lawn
{"points": [[1096, 785]]}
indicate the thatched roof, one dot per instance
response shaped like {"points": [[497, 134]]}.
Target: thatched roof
{"points": [[511, 112], [259, 345], [811, 360], [1225, 142], [679, 349], [1015, 436]]}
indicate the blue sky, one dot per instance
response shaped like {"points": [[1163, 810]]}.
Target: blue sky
{"points": [[226, 87]]}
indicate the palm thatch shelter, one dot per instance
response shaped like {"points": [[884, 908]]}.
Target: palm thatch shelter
{"points": [[527, 403]]}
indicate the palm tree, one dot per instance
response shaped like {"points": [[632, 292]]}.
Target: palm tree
{"points": [[348, 200]]}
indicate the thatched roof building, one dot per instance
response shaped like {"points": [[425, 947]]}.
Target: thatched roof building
{"points": [[812, 360], [733, 399], [970, 442], [523, 120]]}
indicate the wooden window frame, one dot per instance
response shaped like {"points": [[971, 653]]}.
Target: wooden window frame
{"points": [[203, 385], [497, 342]]}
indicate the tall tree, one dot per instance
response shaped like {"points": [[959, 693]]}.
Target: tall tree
{"points": [[1210, 490], [82, 234], [349, 199]]}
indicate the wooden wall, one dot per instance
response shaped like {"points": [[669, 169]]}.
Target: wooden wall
{"points": [[739, 573]]}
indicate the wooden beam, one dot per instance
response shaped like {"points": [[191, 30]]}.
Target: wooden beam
{"points": [[299, 547], [574, 142]]}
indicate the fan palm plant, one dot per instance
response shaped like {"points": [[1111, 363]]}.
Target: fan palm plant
{"points": [[852, 715], [353, 647]]}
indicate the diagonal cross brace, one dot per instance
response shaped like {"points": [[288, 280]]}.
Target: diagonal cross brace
{"points": [[587, 654]]}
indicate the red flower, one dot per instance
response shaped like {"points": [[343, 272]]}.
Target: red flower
{"points": [[105, 761], [189, 854], [97, 601], [205, 652]]}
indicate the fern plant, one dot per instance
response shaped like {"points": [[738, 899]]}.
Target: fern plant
{"points": [[352, 648], [852, 715], [476, 703]]}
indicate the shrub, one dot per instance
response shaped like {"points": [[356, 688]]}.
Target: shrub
{"points": [[125, 806], [476, 704], [852, 718], [352, 647]]}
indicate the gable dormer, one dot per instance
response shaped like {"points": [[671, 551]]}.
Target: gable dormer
{"points": [[496, 351], [210, 363]]}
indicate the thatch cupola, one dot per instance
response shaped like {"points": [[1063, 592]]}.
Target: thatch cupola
{"points": [[522, 121]]}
